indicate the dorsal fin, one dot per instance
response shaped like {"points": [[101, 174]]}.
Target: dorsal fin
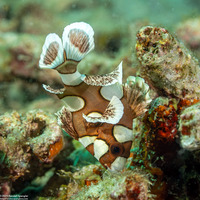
{"points": [[112, 114], [52, 90], [106, 79], [136, 92], [78, 40], [52, 52]]}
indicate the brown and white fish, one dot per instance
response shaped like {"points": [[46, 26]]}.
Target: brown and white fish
{"points": [[99, 109]]}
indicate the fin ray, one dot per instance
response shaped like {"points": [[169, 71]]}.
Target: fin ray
{"points": [[106, 79], [66, 122], [136, 92]]}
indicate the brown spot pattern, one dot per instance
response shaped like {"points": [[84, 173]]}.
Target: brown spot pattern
{"points": [[109, 112], [79, 39], [101, 80], [65, 117], [51, 53]]}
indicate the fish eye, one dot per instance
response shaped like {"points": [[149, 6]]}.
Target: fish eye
{"points": [[117, 149]]}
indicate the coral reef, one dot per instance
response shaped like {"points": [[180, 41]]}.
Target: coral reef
{"points": [[92, 183], [170, 127], [160, 135], [189, 127], [164, 158], [28, 142], [167, 64], [131, 185]]}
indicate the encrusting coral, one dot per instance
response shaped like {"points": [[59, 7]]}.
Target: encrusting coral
{"points": [[125, 185], [92, 182], [189, 127], [167, 64], [161, 140], [27, 141]]}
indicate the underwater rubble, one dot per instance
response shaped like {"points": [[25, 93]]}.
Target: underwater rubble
{"points": [[167, 64], [29, 145], [92, 182]]}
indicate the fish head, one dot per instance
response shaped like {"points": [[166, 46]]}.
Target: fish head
{"points": [[112, 146]]}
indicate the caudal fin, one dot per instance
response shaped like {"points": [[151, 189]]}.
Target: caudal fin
{"points": [[52, 52], [78, 40]]}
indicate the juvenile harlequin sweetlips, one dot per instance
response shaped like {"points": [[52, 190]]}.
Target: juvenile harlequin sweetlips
{"points": [[99, 109]]}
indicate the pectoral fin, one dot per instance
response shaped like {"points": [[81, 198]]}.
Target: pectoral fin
{"points": [[112, 114], [66, 122], [136, 92]]}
